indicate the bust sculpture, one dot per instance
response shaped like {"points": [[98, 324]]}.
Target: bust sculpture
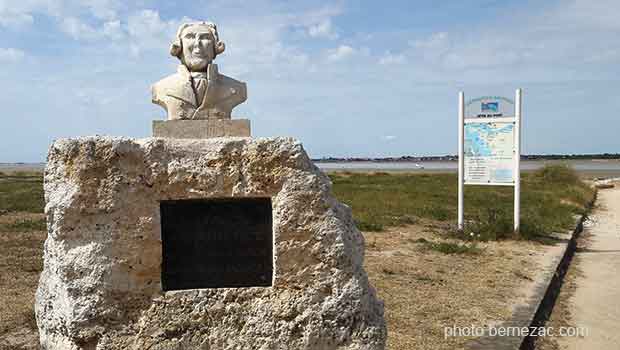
{"points": [[198, 90]]}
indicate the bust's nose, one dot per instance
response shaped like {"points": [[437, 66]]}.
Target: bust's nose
{"points": [[203, 44]]}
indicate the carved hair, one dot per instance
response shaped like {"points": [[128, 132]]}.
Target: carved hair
{"points": [[176, 49]]}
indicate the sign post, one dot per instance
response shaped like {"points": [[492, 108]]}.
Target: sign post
{"points": [[461, 160], [517, 194], [489, 146]]}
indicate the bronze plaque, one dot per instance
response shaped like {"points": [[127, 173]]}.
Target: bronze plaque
{"points": [[216, 243]]}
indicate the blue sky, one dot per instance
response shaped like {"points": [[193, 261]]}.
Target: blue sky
{"points": [[347, 78]]}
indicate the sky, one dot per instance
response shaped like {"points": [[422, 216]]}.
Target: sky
{"points": [[346, 78]]}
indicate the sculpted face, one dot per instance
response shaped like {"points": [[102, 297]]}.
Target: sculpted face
{"points": [[198, 44]]}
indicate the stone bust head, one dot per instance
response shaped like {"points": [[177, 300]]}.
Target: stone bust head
{"points": [[198, 90], [196, 45]]}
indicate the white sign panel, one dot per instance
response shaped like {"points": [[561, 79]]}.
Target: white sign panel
{"points": [[489, 152]]}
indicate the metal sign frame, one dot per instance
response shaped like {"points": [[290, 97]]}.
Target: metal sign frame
{"points": [[517, 156]]}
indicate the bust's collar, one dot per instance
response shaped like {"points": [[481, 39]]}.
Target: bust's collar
{"points": [[184, 72]]}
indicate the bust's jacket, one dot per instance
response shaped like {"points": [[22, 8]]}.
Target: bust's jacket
{"points": [[176, 95]]}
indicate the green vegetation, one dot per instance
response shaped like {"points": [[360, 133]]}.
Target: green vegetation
{"points": [[550, 197], [451, 247], [21, 192]]}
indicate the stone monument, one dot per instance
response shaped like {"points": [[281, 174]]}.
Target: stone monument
{"points": [[199, 243], [198, 99]]}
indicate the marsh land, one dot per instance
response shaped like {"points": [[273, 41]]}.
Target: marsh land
{"points": [[430, 275]]}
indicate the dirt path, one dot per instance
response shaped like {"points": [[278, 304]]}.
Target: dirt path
{"points": [[595, 301]]}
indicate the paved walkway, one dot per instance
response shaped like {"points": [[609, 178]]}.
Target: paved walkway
{"points": [[596, 301]]}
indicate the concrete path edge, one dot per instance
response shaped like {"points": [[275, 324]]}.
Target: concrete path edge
{"points": [[547, 302]]}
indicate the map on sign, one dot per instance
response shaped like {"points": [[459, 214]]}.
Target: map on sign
{"points": [[489, 152]]}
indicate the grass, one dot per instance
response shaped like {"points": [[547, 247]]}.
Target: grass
{"points": [[451, 247], [550, 197], [24, 225], [454, 248], [21, 192], [22, 232]]}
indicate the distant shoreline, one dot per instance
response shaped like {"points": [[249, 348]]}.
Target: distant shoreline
{"points": [[445, 158], [449, 158], [587, 167]]}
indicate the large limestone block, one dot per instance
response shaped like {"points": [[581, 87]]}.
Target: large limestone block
{"points": [[101, 283]]}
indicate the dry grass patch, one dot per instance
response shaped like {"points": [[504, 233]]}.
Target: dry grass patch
{"points": [[20, 265], [425, 290]]}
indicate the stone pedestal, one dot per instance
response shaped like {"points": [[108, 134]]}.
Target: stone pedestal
{"points": [[134, 223], [201, 129]]}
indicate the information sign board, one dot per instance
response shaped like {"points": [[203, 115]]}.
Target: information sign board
{"points": [[490, 146]]}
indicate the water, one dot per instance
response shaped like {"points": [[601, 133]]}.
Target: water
{"points": [[590, 167], [603, 168]]}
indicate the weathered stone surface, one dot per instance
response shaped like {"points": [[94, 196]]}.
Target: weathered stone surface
{"points": [[100, 288], [201, 129]]}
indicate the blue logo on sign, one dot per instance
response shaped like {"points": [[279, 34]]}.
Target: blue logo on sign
{"points": [[489, 106]]}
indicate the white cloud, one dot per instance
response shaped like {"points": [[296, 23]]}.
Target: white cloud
{"points": [[392, 59], [15, 20], [78, 29], [340, 53], [432, 48], [14, 14], [102, 9], [148, 31], [261, 45], [147, 22], [11, 55], [141, 30], [601, 14], [437, 40], [389, 137], [318, 23], [20, 13], [137, 30], [113, 30], [322, 29], [571, 39]]}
